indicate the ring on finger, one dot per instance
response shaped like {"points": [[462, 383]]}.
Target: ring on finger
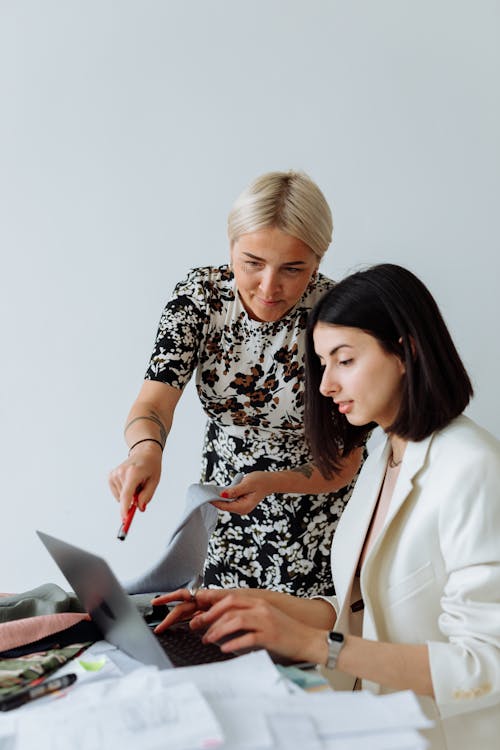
{"points": [[193, 590]]}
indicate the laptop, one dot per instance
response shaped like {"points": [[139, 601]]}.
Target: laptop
{"points": [[119, 620]]}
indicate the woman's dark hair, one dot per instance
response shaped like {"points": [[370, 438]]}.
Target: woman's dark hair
{"points": [[395, 307]]}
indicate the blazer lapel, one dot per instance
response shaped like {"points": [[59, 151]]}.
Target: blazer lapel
{"points": [[359, 513], [356, 520], [414, 458]]}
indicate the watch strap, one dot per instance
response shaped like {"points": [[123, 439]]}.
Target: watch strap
{"points": [[335, 642]]}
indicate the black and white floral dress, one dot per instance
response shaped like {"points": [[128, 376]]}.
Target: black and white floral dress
{"points": [[250, 380]]}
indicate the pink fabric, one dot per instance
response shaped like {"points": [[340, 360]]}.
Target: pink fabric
{"points": [[20, 632]]}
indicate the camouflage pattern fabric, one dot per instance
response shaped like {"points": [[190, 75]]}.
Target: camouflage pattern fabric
{"points": [[18, 673]]}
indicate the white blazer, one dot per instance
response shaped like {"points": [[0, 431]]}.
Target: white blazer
{"points": [[433, 574]]}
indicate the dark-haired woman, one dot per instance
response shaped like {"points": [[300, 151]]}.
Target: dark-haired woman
{"points": [[416, 556]]}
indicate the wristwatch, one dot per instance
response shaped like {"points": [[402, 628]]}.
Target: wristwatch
{"points": [[335, 642]]}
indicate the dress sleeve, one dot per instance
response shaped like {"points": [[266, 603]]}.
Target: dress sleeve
{"points": [[331, 600], [465, 668], [181, 331]]}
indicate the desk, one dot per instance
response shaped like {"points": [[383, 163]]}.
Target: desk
{"points": [[242, 704]]}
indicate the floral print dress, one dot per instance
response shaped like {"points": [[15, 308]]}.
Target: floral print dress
{"points": [[250, 381]]}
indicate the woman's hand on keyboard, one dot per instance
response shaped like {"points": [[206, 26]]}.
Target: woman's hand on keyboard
{"points": [[183, 605], [241, 620], [186, 603]]}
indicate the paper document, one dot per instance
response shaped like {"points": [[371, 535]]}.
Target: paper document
{"points": [[256, 709], [242, 704], [339, 713], [253, 674], [408, 740], [126, 713], [293, 732]]}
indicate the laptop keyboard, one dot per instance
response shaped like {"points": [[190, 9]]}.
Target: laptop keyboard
{"points": [[185, 649]]}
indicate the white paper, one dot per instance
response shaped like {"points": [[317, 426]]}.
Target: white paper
{"points": [[339, 713], [243, 727], [294, 732], [331, 721], [404, 740], [241, 704], [253, 674], [127, 713], [7, 731]]}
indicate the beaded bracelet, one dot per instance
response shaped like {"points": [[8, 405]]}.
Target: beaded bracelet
{"points": [[146, 440]]}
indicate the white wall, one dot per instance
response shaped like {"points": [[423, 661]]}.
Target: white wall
{"points": [[126, 131]]}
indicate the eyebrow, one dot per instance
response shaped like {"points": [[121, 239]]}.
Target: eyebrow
{"points": [[335, 349], [340, 346], [263, 260]]}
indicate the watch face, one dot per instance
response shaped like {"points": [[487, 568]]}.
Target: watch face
{"points": [[336, 637], [335, 643]]}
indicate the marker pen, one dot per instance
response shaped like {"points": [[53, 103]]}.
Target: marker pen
{"points": [[32, 693], [123, 530]]}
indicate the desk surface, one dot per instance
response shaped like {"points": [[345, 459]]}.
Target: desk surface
{"points": [[242, 703]]}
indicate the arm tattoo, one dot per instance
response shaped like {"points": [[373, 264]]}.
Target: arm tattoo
{"points": [[305, 469], [163, 432], [152, 418]]}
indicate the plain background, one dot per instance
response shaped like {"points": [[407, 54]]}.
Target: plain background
{"points": [[127, 129]]}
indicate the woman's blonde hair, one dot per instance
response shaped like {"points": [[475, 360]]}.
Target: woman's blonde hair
{"points": [[289, 201]]}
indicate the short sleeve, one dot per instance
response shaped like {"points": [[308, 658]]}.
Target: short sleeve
{"points": [[331, 600], [180, 331]]}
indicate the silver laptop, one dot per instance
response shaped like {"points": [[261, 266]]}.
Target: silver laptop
{"points": [[117, 617]]}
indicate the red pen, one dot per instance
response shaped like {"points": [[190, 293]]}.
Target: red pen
{"points": [[123, 530]]}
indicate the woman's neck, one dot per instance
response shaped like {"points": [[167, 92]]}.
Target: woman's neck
{"points": [[398, 447]]}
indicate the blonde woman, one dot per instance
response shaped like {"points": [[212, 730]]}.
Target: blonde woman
{"points": [[240, 330]]}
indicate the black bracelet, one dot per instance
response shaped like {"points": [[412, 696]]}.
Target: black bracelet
{"points": [[146, 440]]}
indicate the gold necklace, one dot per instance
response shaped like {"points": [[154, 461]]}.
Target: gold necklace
{"points": [[392, 463]]}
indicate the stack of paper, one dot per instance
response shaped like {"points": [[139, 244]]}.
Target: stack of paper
{"points": [[256, 708], [243, 704], [127, 713]]}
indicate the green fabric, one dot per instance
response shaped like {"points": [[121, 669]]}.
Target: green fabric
{"points": [[46, 599], [20, 672]]}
